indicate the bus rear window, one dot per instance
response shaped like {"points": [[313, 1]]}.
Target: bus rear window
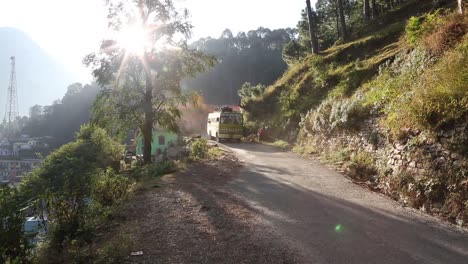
{"points": [[231, 120]]}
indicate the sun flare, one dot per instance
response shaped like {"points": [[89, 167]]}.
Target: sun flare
{"points": [[133, 39]]}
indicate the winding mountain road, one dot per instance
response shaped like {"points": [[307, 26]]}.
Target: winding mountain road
{"points": [[325, 218]]}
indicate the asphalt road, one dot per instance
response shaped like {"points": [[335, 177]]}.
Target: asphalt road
{"points": [[325, 218]]}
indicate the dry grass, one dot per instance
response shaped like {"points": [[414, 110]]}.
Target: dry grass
{"points": [[447, 36]]}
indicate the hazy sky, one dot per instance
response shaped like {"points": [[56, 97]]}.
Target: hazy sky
{"points": [[70, 29]]}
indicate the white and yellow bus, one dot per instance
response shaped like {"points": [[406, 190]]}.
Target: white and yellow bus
{"points": [[225, 124]]}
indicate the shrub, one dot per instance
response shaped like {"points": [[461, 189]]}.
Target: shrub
{"points": [[447, 36], [14, 244], [441, 98], [154, 170], [199, 149], [110, 189], [335, 115], [281, 144], [65, 181], [303, 150], [418, 27], [117, 250], [362, 166]]}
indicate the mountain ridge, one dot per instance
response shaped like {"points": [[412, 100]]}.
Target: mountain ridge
{"points": [[41, 79]]}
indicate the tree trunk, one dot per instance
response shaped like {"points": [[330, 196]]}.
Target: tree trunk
{"points": [[344, 33], [366, 10], [374, 9], [337, 16], [389, 4], [312, 31], [149, 118], [460, 7]]}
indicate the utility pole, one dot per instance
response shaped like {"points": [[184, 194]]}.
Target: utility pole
{"points": [[313, 34], [11, 109]]}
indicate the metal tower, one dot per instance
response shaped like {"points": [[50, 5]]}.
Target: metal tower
{"points": [[11, 108]]}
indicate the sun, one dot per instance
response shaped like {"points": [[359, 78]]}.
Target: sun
{"points": [[133, 39]]}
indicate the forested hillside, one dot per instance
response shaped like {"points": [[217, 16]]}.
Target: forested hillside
{"points": [[253, 56], [387, 101], [63, 118]]}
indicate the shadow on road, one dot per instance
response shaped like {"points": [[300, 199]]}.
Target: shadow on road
{"points": [[332, 230], [253, 147]]}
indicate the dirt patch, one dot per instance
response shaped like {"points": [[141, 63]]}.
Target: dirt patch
{"points": [[193, 217]]}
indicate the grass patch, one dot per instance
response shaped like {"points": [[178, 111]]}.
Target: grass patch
{"points": [[281, 144], [154, 170], [304, 150], [215, 152], [199, 149]]}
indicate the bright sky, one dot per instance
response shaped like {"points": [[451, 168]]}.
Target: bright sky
{"points": [[70, 29]]}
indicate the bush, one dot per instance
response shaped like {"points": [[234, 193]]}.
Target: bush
{"points": [[111, 189], [155, 170], [199, 149], [14, 245], [304, 150], [447, 36], [417, 27], [336, 115], [441, 98], [66, 182], [362, 166], [281, 144]]}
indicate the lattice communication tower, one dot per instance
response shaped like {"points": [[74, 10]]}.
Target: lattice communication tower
{"points": [[11, 108]]}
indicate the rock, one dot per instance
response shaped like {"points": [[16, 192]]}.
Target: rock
{"points": [[455, 156], [440, 160], [457, 163], [399, 147], [413, 164]]}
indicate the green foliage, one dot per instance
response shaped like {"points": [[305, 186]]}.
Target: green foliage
{"points": [[441, 98], [338, 156], [110, 189], [417, 27], [247, 90], [336, 115], [253, 56], [67, 181], [14, 244], [214, 152], [294, 52], [63, 118], [304, 149], [146, 88], [155, 170], [199, 149], [281, 144], [413, 92], [117, 250]]}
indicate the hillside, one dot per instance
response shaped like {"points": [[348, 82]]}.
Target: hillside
{"points": [[389, 107], [40, 78]]}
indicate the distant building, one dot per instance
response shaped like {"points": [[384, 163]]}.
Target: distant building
{"points": [[161, 141], [15, 169]]}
